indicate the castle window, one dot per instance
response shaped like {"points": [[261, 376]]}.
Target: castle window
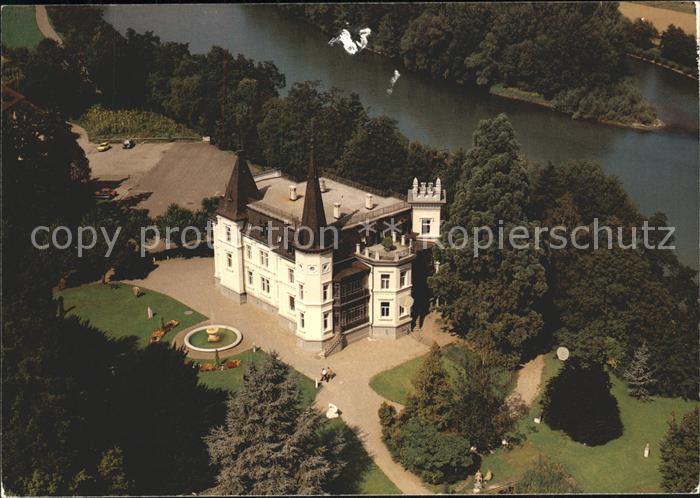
{"points": [[403, 311], [248, 252], [291, 303], [326, 291], [265, 285], [264, 258], [326, 267], [402, 278], [301, 291], [425, 226], [326, 321], [290, 274], [384, 308], [302, 322], [229, 260], [228, 233], [250, 278], [384, 280]]}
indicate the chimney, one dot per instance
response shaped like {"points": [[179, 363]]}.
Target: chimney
{"points": [[336, 210], [415, 186], [322, 184], [438, 187], [368, 202], [422, 188], [430, 188], [403, 239], [293, 193]]}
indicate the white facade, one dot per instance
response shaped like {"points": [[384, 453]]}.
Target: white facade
{"points": [[300, 288]]}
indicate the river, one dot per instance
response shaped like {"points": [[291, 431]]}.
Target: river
{"points": [[659, 169]]}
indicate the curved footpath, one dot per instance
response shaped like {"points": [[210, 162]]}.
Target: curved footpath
{"points": [[191, 281], [44, 24]]}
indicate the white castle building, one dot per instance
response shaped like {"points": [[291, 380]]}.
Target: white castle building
{"points": [[312, 253]]}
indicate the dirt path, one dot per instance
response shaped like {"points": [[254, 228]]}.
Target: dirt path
{"points": [[529, 379], [44, 24], [191, 281]]}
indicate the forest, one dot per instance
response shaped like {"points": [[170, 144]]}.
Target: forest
{"points": [[571, 54]]}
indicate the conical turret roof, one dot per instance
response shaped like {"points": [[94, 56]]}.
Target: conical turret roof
{"points": [[313, 218], [240, 190]]}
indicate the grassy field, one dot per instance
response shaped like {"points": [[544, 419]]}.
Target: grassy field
{"points": [[19, 27], [119, 314], [661, 14], [395, 384], [231, 379], [616, 467]]}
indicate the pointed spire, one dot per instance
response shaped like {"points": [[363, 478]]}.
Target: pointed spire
{"points": [[313, 218], [240, 190]]}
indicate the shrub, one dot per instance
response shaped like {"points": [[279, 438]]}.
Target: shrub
{"points": [[104, 123], [546, 477], [436, 457]]}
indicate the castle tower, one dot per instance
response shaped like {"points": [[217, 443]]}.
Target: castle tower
{"points": [[314, 268], [227, 231], [426, 202]]}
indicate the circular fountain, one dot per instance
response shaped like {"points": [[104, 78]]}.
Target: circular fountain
{"points": [[210, 338]]}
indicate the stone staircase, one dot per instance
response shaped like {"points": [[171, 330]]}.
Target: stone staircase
{"points": [[335, 345]]}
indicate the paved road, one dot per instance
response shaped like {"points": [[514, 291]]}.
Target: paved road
{"points": [[42, 21], [191, 282]]}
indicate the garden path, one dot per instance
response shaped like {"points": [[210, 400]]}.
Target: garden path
{"points": [[191, 281], [529, 378], [44, 24]]}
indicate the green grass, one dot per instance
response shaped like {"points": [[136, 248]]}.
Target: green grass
{"points": [[361, 475], [231, 379], [103, 124], [395, 384], [19, 27], [616, 467], [119, 314]]}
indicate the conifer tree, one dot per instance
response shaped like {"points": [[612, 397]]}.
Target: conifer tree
{"points": [[638, 374], [680, 454], [268, 444], [431, 399]]}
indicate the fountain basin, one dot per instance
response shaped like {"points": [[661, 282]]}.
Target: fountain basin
{"points": [[199, 339]]}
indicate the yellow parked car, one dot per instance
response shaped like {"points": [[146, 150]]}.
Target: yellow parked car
{"points": [[104, 146]]}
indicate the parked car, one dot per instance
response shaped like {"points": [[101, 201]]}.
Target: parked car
{"points": [[128, 144], [106, 193], [104, 146]]}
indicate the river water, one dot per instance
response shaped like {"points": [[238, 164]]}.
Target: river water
{"points": [[659, 169]]}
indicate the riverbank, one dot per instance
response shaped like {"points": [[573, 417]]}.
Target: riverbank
{"points": [[535, 98], [665, 66]]}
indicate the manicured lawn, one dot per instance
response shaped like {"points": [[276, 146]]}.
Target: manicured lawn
{"points": [[616, 467], [231, 379], [19, 27], [395, 384], [119, 314], [361, 475]]}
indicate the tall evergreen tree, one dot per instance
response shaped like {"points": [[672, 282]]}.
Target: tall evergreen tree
{"points": [[491, 298], [269, 445], [431, 398], [680, 454], [638, 374]]}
